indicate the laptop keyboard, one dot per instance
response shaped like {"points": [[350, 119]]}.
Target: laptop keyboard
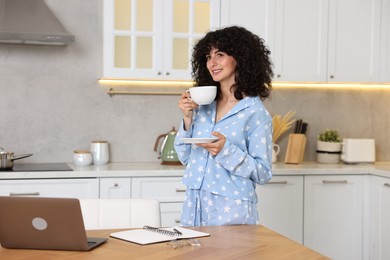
{"points": [[91, 243]]}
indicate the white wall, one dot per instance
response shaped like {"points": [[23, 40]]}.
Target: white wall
{"points": [[51, 103]]}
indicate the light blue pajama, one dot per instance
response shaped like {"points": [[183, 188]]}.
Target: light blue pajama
{"points": [[221, 189]]}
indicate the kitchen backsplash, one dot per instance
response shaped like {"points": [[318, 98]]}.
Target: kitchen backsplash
{"points": [[51, 103]]}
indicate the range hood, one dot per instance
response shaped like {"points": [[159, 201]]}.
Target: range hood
{"points": [[31, 22]]}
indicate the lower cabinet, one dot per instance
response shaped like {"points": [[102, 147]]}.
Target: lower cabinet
{"points": [[379, 218], [65, 188], [281, 206], [168, 190], [115, 188], [333, 210]]}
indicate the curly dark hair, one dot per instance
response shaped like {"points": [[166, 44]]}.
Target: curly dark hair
{"points": [[254, 67]]}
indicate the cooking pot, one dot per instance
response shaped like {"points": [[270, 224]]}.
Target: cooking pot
{"points": [[7, 159], [167, 151]]}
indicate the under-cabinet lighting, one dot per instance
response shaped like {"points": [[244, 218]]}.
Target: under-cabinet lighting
{"points": [[176, 87], [355, 86], [125, 82]]}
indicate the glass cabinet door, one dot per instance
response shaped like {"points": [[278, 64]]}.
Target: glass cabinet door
{"points": [[190, 21], [153, 39], [132, 38]]}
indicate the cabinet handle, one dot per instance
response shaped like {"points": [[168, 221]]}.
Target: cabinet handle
{"points": [[167, 73], [331, 76], [24, 194], [180, 190], [278, 76], [159, 73], [334, 181], [177, 220], [277, 182], [116, 185], [387, 184]]}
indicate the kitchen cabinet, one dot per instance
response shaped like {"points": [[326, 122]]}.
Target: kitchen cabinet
{"points": [[316, 40], [168, 190], [115, 188], [333, 210], [280, 206], [327, 41], [153, 39], [255, 15], [354, 40], [379, 218], [66, 188], [385, 43]]}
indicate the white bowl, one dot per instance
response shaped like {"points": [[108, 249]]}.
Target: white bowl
{"points": [[203, 95]]}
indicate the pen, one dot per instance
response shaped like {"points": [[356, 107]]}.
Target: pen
{"points": [[177, 232]]}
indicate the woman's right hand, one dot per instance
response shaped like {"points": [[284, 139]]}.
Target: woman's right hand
{"points": [[187, 106]]}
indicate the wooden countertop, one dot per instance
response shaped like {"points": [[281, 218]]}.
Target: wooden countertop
{"points": [[225, 242]]}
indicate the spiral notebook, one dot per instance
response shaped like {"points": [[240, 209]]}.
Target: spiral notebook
{"points": [[150, 235]]}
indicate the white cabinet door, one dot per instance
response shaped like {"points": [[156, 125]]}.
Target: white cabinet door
{"points": [[170, 214], [385, 43], [281, 206], [354, 40], [115, 188], [168, 190], [379, 218], [333, 210], [254, 15], [66, 188], [301, 33], [153, 39]]}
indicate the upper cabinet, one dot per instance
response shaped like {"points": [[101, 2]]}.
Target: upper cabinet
{"points": [[354, 40], [153, 39], [316, 40], [385, 43], [300, 49]]}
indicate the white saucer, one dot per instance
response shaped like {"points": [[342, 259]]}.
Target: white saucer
{"points": [[199, 140]]}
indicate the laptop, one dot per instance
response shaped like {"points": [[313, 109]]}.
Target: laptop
{"points": [[44, 223]]}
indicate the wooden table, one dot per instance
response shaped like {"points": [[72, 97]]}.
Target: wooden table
{"points": [[225, 242]]}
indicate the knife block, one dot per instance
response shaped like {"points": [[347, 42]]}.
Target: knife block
{"points": [[295, 148]]}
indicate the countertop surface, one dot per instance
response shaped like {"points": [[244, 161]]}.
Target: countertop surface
{"points": [[157, 170]]}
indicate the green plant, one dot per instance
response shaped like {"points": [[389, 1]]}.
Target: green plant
{"points": [[329, 135]]}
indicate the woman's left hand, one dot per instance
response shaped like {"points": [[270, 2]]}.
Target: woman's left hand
{"points": [[215, 147]]}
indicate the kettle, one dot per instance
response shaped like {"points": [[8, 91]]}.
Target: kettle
{"points": [[167, 151]]}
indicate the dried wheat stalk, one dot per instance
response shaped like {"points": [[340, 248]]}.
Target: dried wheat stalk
{"points": [[281, 124]]}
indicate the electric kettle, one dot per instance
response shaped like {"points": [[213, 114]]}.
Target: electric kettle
{"points": [[167, 150]]}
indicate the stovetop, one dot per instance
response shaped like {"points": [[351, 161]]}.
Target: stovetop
{"points": [[39, 167]]}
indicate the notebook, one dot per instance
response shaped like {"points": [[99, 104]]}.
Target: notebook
{"points": [[44, 223], [150, 235]]}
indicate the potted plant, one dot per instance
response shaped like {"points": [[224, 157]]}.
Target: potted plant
{"points": [[328, 146]]}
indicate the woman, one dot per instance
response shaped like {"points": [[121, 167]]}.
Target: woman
{"points": [[221, 176]]}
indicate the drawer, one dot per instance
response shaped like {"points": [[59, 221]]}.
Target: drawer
{"points": [[165, 189], [65, 188], [115, 188], [170, 214]]}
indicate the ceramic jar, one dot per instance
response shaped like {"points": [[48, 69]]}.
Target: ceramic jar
{"points": [[82, 157], [100, 153]]}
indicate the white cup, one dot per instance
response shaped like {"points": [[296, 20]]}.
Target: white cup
{"points": [[82, 158], [203, 95], [100, 154]]}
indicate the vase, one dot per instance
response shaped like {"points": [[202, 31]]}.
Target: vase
{"points": [[328, 152], [275, 152]]}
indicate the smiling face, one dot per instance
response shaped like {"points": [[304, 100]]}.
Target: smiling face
{"points": [[222, 67]]}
